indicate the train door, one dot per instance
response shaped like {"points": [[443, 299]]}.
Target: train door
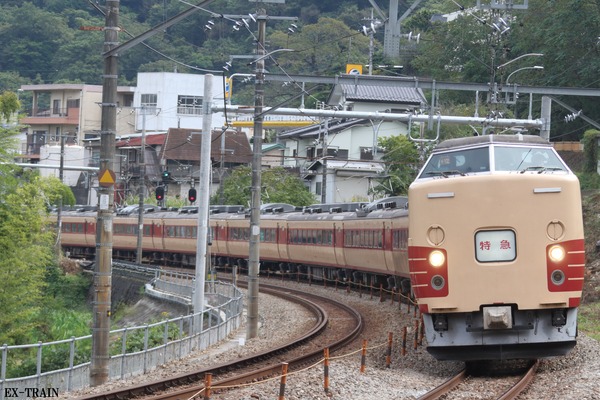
{"points": [[338, 243], [226, 237], [282, 241], [221, 238], [387, 247], [90, 232], [157, 235]]}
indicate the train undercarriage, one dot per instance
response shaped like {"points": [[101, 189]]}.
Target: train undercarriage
{"points": [[313, 273]]}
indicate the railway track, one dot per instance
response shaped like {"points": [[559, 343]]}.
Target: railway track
{"points": [[508, 387], [336, 324]]}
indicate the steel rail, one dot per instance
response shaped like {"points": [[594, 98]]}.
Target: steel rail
{"points": [[321, 324], [445, 387], [523, 383]]}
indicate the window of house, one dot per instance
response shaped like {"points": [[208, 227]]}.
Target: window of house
{"points": [[341, 154], [127, 100], [149, 101], [55, 106], [189, 105], [366, 153]]}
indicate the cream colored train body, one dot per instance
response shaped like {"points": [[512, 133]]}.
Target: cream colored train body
{"points": [[496, 249]]}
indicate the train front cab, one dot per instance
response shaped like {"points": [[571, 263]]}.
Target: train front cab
{"points": [[497, 261]]}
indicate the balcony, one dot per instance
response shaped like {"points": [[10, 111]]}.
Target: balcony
{"points": [[62, 116]]}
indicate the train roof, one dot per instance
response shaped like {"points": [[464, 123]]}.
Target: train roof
{"points": [[472, 141]]}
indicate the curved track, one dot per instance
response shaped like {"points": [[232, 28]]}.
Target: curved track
{"points": [[458, 384], [336, 325]]}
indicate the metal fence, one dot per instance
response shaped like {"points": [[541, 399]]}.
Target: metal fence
{"points": [[133, 350]]}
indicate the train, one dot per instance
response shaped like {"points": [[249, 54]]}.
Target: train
{"points": [[496, 249], [492, 253]]}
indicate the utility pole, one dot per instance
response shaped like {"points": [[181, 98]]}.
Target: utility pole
{"points": [[99, 372], [60, 200], [142, 191], [254, 253], [324, 163], [203, 199]]}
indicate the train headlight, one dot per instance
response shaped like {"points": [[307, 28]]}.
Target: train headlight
{"points": [[556, 253], [437, 258]]}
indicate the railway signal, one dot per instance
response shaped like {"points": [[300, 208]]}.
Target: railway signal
{"points": [[160, 193], [192, 195], [166, 176]]}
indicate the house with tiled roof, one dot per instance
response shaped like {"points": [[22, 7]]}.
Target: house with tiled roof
{"points": [[177, 153], [349, 145], [180, 156]]}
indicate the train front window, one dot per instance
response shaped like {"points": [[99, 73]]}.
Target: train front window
{"points": [[524, 159], [459, 162]]}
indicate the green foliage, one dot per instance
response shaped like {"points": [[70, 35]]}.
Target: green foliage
{"points": [[278, 186], [402, 161], [8, 142], [588, 319], [156, 337], [63, 313], [9, 104], [320, 48], [25, 250], [590, 149], [589, 180]]}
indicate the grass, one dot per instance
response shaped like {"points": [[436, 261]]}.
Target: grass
{"points": [[589, 311], [589, 319]]}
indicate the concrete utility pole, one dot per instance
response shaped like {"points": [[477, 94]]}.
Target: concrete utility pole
{"points": [[203, 199], [61, 169], [324, 162], [106, 193], [142, 191], [254, 253]]}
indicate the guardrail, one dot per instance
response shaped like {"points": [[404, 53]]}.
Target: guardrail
{"points": [[134, 350]]}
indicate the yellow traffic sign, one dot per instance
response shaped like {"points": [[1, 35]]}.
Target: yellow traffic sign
{"points": [[107, 177]]}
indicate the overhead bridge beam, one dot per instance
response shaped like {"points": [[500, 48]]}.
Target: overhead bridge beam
{"points": [[385, 116], [273, 124]]}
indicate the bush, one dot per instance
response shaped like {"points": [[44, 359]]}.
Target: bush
{"points": [[589, 180]]}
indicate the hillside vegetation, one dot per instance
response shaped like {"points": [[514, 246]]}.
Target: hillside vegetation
{"points": [[51, 47]]}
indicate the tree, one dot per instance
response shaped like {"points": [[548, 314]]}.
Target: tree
{"points": [[402, 160], [324, 47], [278, 186], [590, 146], [26, 242], [9, 104], [25, 251]]}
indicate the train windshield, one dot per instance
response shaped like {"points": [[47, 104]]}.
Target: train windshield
{"points": [[458, 162], [524, 159]]}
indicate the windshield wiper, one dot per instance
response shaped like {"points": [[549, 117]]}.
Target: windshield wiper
{"points": [[445, 174], [540, 169]]}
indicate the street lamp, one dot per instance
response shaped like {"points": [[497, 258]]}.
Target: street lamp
{"points": [[521, 69], [262, 57], [518, 58], [538, 67]]}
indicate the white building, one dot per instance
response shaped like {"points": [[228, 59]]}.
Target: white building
{"points": [[173, 100], [350, 145]]}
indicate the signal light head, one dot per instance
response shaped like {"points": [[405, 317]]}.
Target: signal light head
{"points": [[160, 193], [192, 195]]}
